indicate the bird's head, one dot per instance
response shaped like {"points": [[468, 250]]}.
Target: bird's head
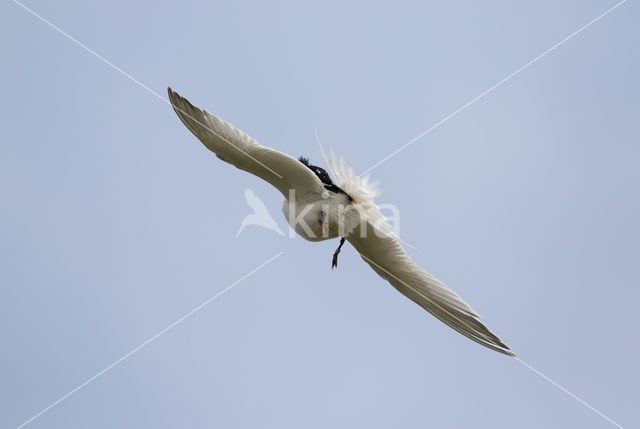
{"points": [[319, 171], [323, 176]]}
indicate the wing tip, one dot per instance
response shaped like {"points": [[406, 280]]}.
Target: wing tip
{"points": [[187, 112], [174, 97], [496, 344], [504, 349], [491, 341]]}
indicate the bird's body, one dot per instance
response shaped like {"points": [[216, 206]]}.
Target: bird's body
{"points": [[319, 209], [306, 216]]}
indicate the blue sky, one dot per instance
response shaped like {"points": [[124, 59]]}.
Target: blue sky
{"points": [[116, 221]]}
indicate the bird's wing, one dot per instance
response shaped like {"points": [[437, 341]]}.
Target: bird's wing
{"points": [[386, 256], [235, 147]]}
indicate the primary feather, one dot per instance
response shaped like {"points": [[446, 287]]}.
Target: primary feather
{"points": [[235, 147]]}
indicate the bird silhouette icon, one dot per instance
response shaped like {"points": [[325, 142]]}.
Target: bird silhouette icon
{"points": [[260, 215]]}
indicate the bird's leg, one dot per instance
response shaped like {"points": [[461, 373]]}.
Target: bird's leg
{"points": [[334, 263]]}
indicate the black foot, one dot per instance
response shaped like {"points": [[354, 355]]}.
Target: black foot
{"points": [[334, 262]]}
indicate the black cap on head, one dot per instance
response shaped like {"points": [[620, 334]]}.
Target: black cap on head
{"points": [[304, 160]]}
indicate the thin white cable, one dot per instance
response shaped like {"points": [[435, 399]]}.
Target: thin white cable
{"points": [[595, 410], [280, 253], [577, 398], [142, 85], [473, 100], [149, 340]]}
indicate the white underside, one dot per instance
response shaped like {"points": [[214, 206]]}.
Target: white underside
{"points": [[306, 216]]}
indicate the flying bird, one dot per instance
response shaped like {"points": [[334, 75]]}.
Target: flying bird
{"points": [[260, 215], [322, 205]]}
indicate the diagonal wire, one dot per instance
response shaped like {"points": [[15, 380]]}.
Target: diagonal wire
{"points": [[478, 97], [133, 79], [469, 103], [569, 393], [577, 398], [132, 352]]}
